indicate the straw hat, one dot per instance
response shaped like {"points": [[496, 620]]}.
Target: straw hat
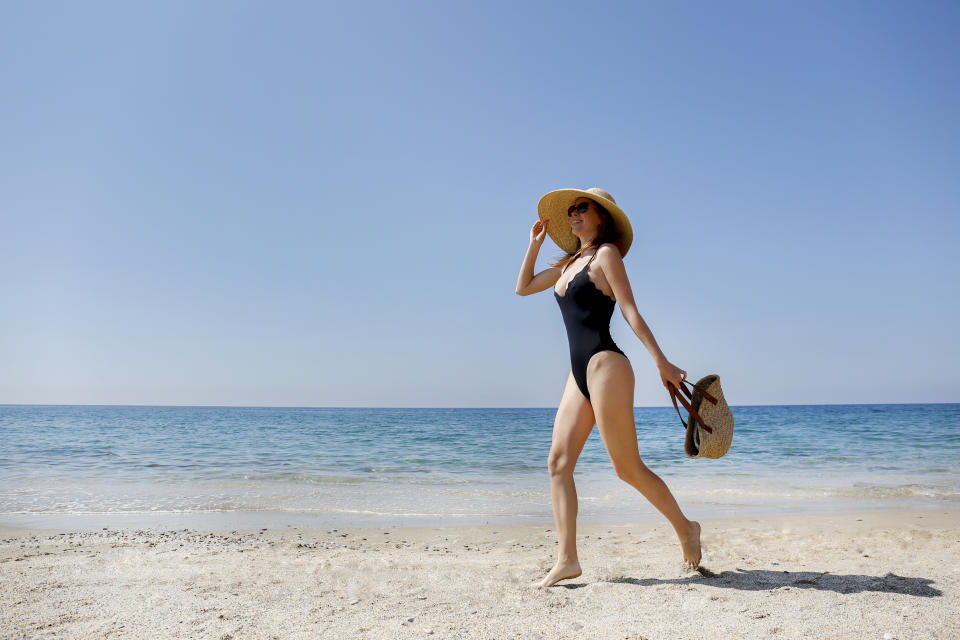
{"points": [[553, 207]]}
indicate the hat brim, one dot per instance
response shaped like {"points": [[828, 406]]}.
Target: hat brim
{"points": [[553, 208]]}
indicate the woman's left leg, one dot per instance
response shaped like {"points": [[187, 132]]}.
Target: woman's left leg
{"points": [[610, 380]]}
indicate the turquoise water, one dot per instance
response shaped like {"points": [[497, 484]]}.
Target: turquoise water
{"points": [[411, 467]]}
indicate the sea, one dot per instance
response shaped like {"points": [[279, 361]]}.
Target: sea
{"points": [[217, 468]]}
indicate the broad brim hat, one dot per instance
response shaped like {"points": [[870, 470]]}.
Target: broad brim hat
{"points": [[553, 208]]}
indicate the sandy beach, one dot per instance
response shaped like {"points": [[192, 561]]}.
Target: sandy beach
{"points": [[868, 575]]}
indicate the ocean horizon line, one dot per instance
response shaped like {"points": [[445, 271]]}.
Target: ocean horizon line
{"points": [[487, 408]]}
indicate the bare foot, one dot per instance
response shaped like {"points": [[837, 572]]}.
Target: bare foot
{"points": [[561, 572], [691, 546]]}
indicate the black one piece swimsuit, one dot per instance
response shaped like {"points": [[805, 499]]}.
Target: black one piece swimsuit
{"points": [[586, 311]]}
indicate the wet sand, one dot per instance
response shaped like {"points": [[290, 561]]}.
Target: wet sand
{"points": [[868, 575]]}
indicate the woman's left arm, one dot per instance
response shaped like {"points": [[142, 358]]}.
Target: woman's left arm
{"points": [[613, 270]]}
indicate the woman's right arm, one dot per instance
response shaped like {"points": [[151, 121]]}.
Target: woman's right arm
{"points": [[528, 283]]}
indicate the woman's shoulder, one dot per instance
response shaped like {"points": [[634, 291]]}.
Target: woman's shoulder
{"points": [[609, 251]]}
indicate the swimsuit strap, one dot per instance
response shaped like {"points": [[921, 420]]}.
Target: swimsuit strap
{"points": [[588, 261], [595, 252]]}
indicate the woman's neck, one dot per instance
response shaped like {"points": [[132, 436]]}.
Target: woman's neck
{"points": [[585, 246]]}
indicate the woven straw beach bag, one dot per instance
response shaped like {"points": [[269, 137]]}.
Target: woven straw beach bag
{"points": [[710, 423]]}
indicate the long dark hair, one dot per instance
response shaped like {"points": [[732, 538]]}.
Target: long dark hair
{"points": [[607, 232]]}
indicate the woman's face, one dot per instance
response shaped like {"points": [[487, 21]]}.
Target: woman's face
{"points": [[584, 224]]}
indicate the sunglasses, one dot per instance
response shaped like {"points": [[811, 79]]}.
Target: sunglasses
{"points": [[579, 208]]}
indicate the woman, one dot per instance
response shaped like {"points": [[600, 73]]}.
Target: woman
{"points": [[587, 283]]}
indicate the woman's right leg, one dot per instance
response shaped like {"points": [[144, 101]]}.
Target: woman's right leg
{"points": [[571, 427]]}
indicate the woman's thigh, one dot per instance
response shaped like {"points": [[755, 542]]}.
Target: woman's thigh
{"points": [[610, 380], [571, 427]]}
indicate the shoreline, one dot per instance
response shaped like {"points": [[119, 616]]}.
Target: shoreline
{"points": [[854, 575], [220, 521]]}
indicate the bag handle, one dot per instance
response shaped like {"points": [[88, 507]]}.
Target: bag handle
{"points": [[701, 390], [674, 396]]}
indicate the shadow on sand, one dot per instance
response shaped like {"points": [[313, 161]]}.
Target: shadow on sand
{"points": [[764, 580]]}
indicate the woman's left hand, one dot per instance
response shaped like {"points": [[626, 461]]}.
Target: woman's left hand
{"points": [[671, 374]]}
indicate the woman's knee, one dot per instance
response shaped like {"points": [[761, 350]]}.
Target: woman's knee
{"points": [[560, 463], [631, 470]]}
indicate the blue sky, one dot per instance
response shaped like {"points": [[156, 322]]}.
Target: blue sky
{"points": [[313, 204]]}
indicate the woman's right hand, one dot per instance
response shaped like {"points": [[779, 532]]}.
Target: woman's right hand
{"points": [[538, 232]]}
